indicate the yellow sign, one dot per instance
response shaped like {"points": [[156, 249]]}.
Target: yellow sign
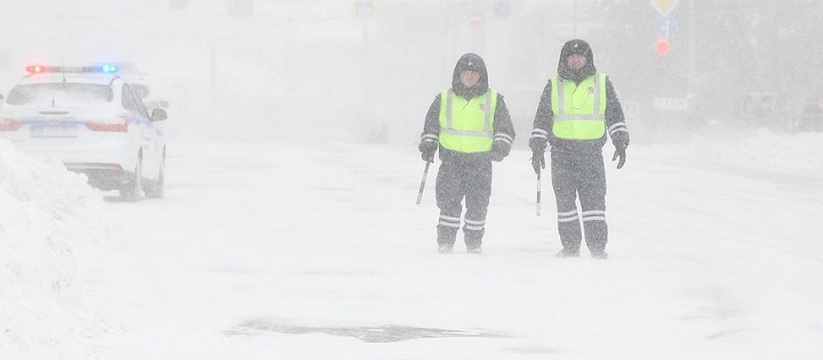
{"points": [[664, 7], [364, 9]]}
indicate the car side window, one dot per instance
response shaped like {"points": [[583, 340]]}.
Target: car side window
{"points": [[132, 102]]}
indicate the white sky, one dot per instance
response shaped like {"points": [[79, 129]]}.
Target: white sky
{"points": [[715, 255]]}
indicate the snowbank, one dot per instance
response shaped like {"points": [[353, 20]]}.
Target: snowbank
{"points": [[49, 219], [800, 153]]}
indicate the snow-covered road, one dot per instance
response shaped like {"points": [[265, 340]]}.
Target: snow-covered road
{"points": [[265, 251]]}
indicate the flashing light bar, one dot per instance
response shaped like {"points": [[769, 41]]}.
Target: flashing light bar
{"points": [[109, 69], [105, 69]]}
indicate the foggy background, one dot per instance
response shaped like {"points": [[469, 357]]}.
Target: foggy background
{"points": [[320, 70], [714, 252]]}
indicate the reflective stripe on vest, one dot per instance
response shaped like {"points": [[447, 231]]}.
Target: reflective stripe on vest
{"points": [[579, 110], [467, 125]]}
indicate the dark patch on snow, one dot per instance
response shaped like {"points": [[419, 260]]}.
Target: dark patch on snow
{"points": [[725, 333], [369, 334], [230, 270], [333, 189], [340, 273], [533, 350]]}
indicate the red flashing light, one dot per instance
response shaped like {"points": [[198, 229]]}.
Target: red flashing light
{"points": [[35, 69], [476, 18], [10, 125], [662, 47]]}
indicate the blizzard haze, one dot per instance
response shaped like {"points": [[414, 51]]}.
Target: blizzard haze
{"points": [[314, 70], [289, 228]]}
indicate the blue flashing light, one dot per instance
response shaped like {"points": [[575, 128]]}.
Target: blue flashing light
{"points": [[109, 69]]}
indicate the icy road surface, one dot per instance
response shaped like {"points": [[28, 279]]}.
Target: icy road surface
{"points": [[279, 251]]}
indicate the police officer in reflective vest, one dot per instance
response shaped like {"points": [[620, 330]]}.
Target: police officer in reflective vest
{"points": [[470, 125], [579, 106]]}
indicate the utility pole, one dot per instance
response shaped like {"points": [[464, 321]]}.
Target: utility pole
{"points": [[692, 52], [574, 20]]}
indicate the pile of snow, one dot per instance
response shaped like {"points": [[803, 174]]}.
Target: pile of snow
{"points": [[800, 153], [49, 220]]}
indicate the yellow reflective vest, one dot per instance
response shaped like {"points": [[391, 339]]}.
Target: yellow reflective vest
{"points": [[579, 110], [467, 125]]}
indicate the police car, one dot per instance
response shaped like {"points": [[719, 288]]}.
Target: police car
{"points": [[94, 122]]}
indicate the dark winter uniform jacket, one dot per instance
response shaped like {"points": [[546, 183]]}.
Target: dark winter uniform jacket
{"points": [[503, 128], [466, 177], [577, 168], [543, 120]]}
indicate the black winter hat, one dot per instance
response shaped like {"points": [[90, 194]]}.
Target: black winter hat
{"points": [[572, 47], [473, 62], [576, 46]]}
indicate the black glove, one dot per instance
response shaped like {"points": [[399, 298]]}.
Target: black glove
{"points": [[497, 155], [619, 152], [427, 150], [499, 151], [620, 139], [538, 161]]}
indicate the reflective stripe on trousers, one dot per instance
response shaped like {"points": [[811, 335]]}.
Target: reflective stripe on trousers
{"points": [[580, 176], [457, 181]]}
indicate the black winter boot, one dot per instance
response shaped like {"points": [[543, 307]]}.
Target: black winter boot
{"points": [[600, 255], [566, 252]]}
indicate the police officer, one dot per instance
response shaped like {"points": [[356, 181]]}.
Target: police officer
{"points": [[579, 106], [470, 125]]}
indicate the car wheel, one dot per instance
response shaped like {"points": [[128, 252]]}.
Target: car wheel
{"points": [[131, 190], [157, 191]]}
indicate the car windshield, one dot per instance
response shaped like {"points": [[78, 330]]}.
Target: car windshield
{"points": [[60, 94]]}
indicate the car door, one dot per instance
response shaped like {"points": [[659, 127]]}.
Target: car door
{"points": [[147, 133]]}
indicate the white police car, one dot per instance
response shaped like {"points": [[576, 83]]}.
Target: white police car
{"points": [[91, 120]]}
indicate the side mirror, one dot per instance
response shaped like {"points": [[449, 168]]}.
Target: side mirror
{"points": [[159, 115]]}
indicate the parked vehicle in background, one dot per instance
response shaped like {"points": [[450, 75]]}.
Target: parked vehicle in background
{"points": [[811, 118], [94, 122], [769, 110]]}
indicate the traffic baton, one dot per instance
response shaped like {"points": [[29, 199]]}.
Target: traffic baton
{"points": [[538, 193], [423, 182]]}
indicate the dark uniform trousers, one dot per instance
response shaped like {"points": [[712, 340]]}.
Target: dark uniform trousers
{"points": [[466, 176], [580, 173]]}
